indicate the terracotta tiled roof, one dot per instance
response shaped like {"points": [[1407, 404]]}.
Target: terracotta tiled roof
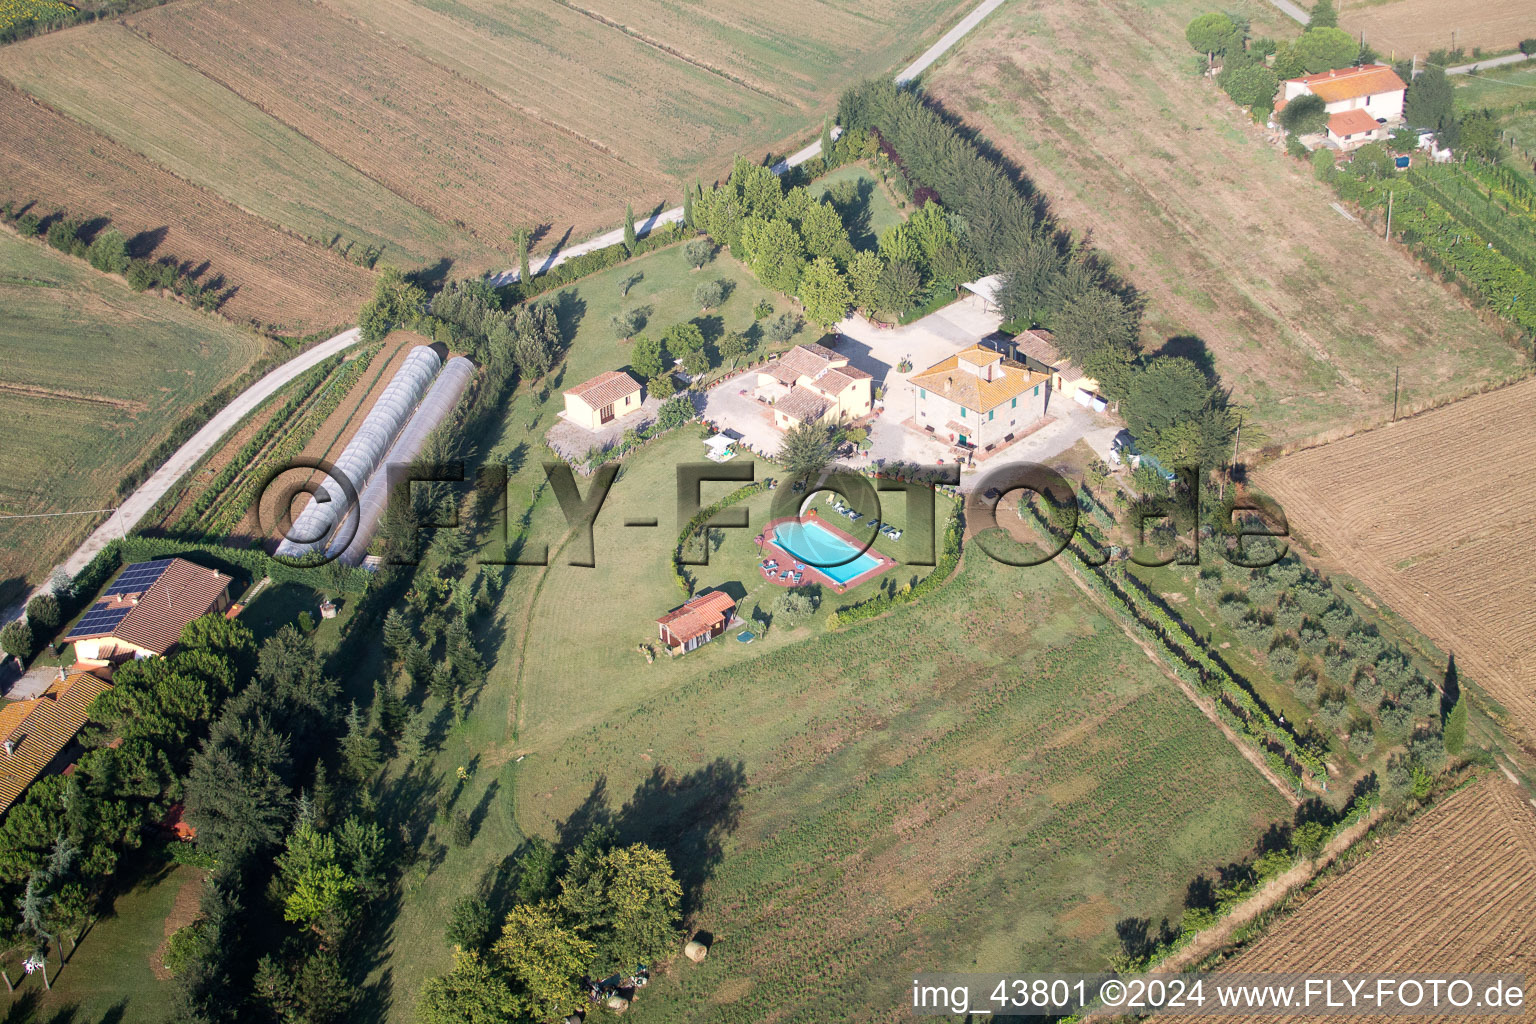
{"points": [[1352, 122], [947, 380], [605, 388], [699, 615], [836, 380], [1039, 345], [802, 404], [40, 728], [1351, 83], [184, 591], [802, 361]]}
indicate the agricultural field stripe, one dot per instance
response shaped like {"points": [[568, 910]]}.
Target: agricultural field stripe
{"points": [[137, 505], [674, 215]]}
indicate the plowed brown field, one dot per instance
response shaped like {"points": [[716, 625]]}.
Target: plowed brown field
{"points": [[1418, 26], [1437, 514], [423, 132], [280, 280], [1452, 892]]}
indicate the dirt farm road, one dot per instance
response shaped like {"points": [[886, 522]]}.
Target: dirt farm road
{"points": [[674, 215]]}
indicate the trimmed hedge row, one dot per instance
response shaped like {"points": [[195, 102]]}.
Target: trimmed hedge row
{"points": [[947, 562], [682, 576], [592, 262]]}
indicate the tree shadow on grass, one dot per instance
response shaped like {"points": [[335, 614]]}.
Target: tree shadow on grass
{"points": [[687, 817]]}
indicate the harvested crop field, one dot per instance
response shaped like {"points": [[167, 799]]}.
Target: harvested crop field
{"points": [[279, 280], [1437, 515], [183, 121], [1450, 893], [1232, 244], [423, 132], [92, 378], [1418, 26]]}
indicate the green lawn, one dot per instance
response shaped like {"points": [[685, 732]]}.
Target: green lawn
{"points": [[108, 979], [98, 375], [871, 211], [661, 286], [989, 777]]}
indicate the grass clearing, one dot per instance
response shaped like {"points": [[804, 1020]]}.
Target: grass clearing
{"points": [[1233, 246], [60, 323], [870, 213]]}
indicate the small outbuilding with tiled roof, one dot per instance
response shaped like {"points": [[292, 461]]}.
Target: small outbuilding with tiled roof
{"points": [[143, 611], [697, 622], [604, 398], [1351, 129]]}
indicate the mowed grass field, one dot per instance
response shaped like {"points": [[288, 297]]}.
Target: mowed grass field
{"points": [[92, 376], [991, 777], [1307, 314], [1434, 514], [1450, 893]]}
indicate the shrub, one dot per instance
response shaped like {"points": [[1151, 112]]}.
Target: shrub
{"points": [[1393, 670], [1263, 588], [1366, 643], [1420, 694], [763, 310], [782, 327], [16, 639], [1334, 709], [1427, 749], [1322, 160], [1393, 716], [186, 946], [1338, 619], [698, 252], [1361, 739], [43, 613], [1253, 628], [1528, 46], [63, 233], [462, 833], [29, 225], [109, 252], [1338, 662], [1283, 656], [1312, 637]]}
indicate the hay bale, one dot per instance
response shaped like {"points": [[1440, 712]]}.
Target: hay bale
{"points": [[616, 1003], [695, 951]]}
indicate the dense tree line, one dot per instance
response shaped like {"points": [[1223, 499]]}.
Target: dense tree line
{"points": [[1177, 410]]}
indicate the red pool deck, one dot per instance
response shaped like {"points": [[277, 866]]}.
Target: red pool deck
{"points": [[810, 573]]}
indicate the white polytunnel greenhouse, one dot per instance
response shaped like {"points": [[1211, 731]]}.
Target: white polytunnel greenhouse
{"points": [[314, 525], [445, 394]]}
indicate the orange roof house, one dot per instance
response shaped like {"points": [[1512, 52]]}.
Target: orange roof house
{"points": [[1353, 128], [604, 398], [978, 398], [698, 621], [145, 609], [1373, 88], [34, 733]]}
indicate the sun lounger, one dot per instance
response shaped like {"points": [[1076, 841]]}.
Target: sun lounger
{"points": [[856, 516], [784, 575], [895, 535]]}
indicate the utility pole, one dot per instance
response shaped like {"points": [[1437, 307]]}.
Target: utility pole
{"points": [[1397, 376], [1236, 440]]}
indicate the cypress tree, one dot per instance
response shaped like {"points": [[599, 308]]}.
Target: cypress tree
{"points": [[688, 207], [826, 140], [629, 227]]}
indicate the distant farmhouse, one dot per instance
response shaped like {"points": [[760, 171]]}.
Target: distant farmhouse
{"points": [[813, 384], [978, 398], [697, 622], [145, 609], [1362, 103], [36, 733], [603, 399]]}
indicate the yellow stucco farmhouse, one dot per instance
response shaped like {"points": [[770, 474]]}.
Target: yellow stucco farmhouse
{"points": [[813, 384], [603, 399]]}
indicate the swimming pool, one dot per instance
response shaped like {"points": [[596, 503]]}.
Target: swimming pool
{"points": [[823, 550]]}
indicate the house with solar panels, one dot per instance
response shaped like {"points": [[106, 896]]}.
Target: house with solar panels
{"points": [[145, 609]]}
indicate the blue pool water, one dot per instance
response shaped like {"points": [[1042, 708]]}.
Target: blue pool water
{"points": [[816, 546]]}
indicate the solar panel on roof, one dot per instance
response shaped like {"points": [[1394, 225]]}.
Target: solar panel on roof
{"points": [[139, 577], [100, 619]]}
